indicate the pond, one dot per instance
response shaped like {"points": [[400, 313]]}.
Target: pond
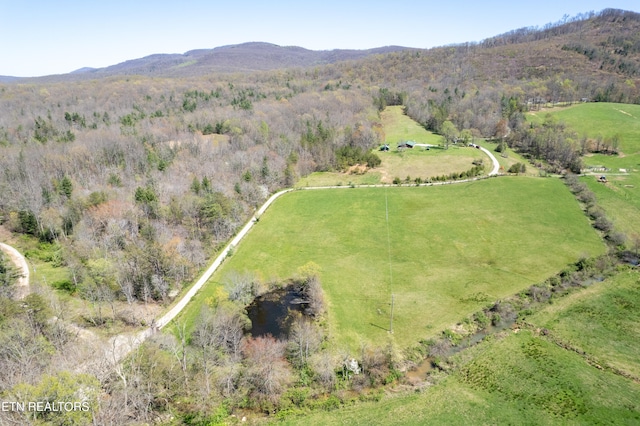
{"points": [[274, 312]]}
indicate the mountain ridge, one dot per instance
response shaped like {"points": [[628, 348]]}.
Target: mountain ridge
{"points": [[604, 42], [243, 57], [250, 56]]}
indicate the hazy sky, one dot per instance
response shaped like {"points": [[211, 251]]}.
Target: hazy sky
{"points": [[41, 37]]}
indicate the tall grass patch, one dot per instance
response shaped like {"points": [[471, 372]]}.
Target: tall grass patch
{"points": [[602, 321]]}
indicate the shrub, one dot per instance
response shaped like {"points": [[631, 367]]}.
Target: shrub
{"points": [[595, 212], [617, 238], [373, 160], [587, 197], [539, 293], [65, 285], [603, 224], [440, 348], [517, 168], [331, 403], [481, 319], [452, 336], [496, 319]]}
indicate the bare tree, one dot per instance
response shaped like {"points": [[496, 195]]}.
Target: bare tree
{"points": [[267, 372], [23, 356], [203, 338], [242, 287], [219, 335], [324, 366], [315, 295], [304, 340]]}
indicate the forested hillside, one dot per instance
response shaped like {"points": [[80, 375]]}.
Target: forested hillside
{"points": [[137, 180]]}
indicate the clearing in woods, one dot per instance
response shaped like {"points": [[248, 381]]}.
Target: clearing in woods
{"points": [[453, 249], [414, 162]]}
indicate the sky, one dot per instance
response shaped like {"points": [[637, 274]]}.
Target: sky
{"points": [[43, 37]]}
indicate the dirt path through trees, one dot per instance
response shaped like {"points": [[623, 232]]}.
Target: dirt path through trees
{"points": [[22, 286]]}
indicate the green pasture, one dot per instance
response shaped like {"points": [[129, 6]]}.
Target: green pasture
{"points": [[508, 158], [412, 163], [371, 177], [602, 321], [446, 252], [601, 118], [399, 128], [620, 197], [520, 379], [416, 162]]}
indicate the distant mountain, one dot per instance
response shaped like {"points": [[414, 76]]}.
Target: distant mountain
{"points": [[246, 57], [83, 70], [589, 46], [8, 79]]}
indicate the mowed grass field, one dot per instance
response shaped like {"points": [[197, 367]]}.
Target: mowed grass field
{"points": [[620, 197], [601, 118], [399, 128], [447, 250], [525, 378], [413, 163]]}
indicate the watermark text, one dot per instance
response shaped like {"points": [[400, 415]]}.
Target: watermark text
{"points": [[44, 406]]}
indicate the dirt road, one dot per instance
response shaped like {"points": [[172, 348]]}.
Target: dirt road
{"points": [[22, 286]]}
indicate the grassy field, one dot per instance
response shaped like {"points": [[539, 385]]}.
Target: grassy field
{"points": [[372, 177], [525, 378], [44, 271], [601, 118], [398, 128], [450, 250], [602, 321], [413, 163], [620, 197], [520, 379], [508, 158]]}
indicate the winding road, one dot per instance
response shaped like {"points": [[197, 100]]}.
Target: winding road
{"points": [[118, 347], [173, 312], [496, 166]]}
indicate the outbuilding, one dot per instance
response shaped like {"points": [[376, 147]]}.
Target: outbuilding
{"points": [[406, 144]]}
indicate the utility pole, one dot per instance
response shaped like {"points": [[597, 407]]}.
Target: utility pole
{"points": [[391, 325]]}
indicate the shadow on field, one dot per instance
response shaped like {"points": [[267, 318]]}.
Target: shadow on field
{"points": [[380, 327]]}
